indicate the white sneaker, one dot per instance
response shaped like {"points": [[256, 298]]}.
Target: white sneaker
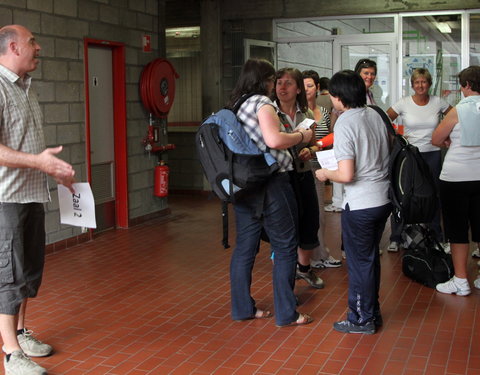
{"points": [[332, 208], [446, 247], [32, 346], [20, 364], [330, 262], [393, 247], [477, 283], [452, 287], [476, 253]]}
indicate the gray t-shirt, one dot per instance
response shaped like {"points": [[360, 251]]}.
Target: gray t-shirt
{"points": [[361, 135]]}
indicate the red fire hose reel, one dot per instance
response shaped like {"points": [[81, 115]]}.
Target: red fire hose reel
{"points": [[157, 91], [157, 87]]}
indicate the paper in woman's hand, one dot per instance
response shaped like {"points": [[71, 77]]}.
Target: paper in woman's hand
{"points": [[305, 124]]}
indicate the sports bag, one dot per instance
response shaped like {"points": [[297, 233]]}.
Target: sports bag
{"points": [[231, 161], [424, 259], [413, 191]]}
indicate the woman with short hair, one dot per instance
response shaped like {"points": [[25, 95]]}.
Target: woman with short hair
{"points": [[362, 150]]}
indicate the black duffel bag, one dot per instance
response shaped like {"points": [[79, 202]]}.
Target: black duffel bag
{"points": [[425, 260]]}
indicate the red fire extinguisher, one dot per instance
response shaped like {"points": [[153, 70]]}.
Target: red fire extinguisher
{"points": [[160, 188]]}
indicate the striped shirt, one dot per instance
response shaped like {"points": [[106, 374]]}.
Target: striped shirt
{"points": [[21, 130], [247, 114], [322, 129]]}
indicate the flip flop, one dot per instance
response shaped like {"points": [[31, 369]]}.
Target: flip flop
{"points": [[302, 320]]}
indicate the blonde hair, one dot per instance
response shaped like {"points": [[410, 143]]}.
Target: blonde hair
{"points": [[421, 72]]}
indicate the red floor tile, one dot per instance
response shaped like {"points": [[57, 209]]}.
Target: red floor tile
{"points": [[154, 300]]}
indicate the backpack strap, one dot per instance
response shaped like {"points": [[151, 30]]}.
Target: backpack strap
{"points": [[392, 133], [225, 243]]}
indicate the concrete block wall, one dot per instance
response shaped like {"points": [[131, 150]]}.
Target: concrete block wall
{"points": [[60, 27]]}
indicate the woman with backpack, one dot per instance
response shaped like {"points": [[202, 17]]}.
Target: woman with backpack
{"points": [[272, 208], [362, 150], [460, 178]]}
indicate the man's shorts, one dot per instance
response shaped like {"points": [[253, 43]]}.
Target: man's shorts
{"points": [[22, 253]]}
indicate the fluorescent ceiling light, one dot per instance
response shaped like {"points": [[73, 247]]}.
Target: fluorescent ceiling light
{"points": [[444, 27], [183, 32]]}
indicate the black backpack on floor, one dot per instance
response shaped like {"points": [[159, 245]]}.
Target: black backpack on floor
{"points": [[413, 191], [424, 260]]}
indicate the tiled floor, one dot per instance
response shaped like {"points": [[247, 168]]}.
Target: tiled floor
{"points": [[154, 299]]}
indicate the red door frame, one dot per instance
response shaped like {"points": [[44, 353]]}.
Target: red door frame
{"points": [[120, 125]]}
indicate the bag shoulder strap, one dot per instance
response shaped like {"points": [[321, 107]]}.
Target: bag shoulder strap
{"points": [[240, 101], [385, 118]]}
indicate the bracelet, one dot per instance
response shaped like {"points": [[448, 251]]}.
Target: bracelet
{"points": [[301, 140]]}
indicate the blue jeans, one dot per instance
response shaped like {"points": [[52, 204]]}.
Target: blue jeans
{"points": [[279, 220], [361, 232]]}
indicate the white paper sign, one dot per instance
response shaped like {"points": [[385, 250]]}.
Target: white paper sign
{"points": [[77, 209], [305, 124], [327, 159]]}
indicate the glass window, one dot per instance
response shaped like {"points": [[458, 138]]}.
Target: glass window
{"points": [[474, 39], [326, 27], [381, 54], [433, 42], [306, 56]]}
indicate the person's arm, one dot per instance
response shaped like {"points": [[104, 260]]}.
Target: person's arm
{"points": [[46, 161], [441, 135], [392, 114], [344, 173], [447, 110], [274, 138]]}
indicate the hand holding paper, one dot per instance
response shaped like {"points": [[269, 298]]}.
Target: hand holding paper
{"points": [[305, 124], [327, 159], [77, 208]]}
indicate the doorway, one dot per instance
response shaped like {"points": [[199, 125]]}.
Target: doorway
{"points": [[382, 50], [106, 149]]}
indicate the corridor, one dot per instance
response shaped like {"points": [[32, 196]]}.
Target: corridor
{"points": [[154, 299]]}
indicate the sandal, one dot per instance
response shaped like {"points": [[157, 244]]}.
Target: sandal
{"points": [[301, 320], [262, 314], [259, 314]]}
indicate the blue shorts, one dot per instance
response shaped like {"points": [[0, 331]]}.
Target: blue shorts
{"points": [[22, 253]]}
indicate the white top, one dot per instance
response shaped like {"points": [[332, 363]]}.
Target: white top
{"points": [[361, 135], [420, 121], [462, 163]]}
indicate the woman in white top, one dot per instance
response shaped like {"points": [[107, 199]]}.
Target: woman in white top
{"points": [[420, 114], [460, 178]]}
